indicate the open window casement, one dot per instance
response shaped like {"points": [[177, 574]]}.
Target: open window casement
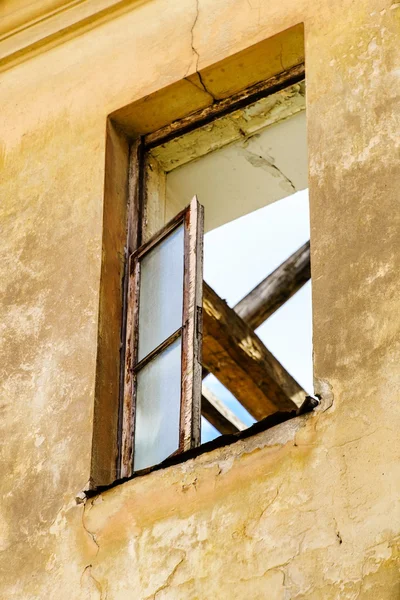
{"points": [[162, 393]]}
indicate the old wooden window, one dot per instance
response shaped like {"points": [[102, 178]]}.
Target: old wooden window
{"points": [[178, 329], [164, 339]]}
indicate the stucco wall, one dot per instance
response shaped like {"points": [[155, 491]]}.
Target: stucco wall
{"points": [[308, 514]]}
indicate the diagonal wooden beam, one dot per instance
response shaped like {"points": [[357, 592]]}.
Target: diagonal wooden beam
{"points": [[257, 306], [241, 362], [218, 414], [276, 289]]}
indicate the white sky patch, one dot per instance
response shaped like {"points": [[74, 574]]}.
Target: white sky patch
{"points": [[240, 254]]}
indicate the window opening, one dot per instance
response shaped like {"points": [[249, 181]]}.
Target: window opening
{"points": [[240, 165], [237, 256]]}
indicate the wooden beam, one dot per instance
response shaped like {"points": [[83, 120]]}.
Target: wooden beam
{"points": [[218, 414], [276, 289], [241, 362]]}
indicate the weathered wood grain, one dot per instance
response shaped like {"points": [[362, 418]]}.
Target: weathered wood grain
{"points": [[241, 362], [276, 289], [192, 326], [218, 414], [126, 415]]}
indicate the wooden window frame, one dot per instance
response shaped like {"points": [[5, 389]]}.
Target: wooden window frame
{"points": [[190, 332], [136, 190]]}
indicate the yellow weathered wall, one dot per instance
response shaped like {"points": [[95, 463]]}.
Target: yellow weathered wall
{"points": [[306, 514]]}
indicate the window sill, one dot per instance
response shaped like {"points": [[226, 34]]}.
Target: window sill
{"points": [[282, 426]]}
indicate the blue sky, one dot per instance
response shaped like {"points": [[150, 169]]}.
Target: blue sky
{"points": [[237, 256]]}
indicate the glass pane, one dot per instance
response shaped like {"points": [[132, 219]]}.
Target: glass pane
{"points": [[161, 292], [158, 403]]}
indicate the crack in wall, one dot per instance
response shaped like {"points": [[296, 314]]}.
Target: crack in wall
{"points": [[281, 58], [240, 131], [204, 85], [257, 8], [90, 534], [87, 573], [267, 165], [192, 35], [197, 55], [255, 523], [167, 582], [356, 439]]}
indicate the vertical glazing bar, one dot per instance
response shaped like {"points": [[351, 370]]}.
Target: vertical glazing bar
{"points": [[128, 417], [192, 327]]}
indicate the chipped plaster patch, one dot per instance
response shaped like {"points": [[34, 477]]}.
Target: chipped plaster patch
{"points": [[381, 271], [350, 159], [243, 123], [39, 439], [323, 389], [269, 165]]}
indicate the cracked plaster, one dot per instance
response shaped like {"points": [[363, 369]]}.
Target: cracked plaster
{"points": [[237, 177], [304, 515]]}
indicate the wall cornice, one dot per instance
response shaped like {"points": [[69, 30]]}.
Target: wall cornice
{"points": [[29, 30]]}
